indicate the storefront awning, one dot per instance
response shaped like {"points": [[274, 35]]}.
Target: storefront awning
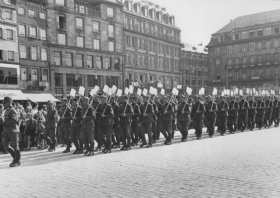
{"points": [[41, 97], [14, 94]]}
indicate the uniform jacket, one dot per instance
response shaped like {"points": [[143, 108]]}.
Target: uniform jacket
{"points": [[155, 106], [88, 122], [66, 120], [276, 107], [52, 117], [137, 113], [211, 106], [149, 112], [169, 109], [269, 106], [198, 107], [107, 110], [252, 107], [243, 107], [11, 121], [260, 107], [185, 107], [126, 108], [233, 108], [223, 105], [78, 116], [97, 107], [115, 108]]}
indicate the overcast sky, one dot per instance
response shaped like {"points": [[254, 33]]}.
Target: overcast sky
{"points": [[198, 19]]}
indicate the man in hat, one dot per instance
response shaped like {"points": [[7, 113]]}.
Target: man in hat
{"points": [[135, 121], [260, 112], [167, 115], [146, 122], [155, 118], [159, 105], [222, 118], [210, 115], [87, 131], [65, 114], [96, 105], [275, 114], [252, 113], [197, 114], [243, 113], [10, 134], [106, 124], [51, 124], [76, 126], [116, 134], [125, 112], [183, 120]]}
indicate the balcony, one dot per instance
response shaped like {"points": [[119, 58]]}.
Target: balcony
{"points": [[60, 8], [94, 13]]}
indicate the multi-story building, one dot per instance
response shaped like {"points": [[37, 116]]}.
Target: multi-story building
{"points": [[194, 62], [9, 67], [245, 53], [86, 44], [152, 46], [33, 46]]}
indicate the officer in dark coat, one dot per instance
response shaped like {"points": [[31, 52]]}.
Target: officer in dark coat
{"points": [[65, 113], [243, 113], [275, 114], [183, 119], [210, 115], [76, 127], [197, 115], [252, 113], [96, 105], [260, 112], [10, 134], [87, 131], [268, 112], [51, 124], [155, 118], [116, 134], [222, 118], [167, 114], [135, 121], [233, 115]]}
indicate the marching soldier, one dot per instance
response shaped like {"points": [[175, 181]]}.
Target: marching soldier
{"points": [[76, 127], [275, 114], [260, 113], [243, 113], [155, 118], [252, 113], [210, 115], [233, 115], [159, 105], [116, 134], [167, 114], [268, 112], [197, 115], [222, 118], [10, 134], [135, 121], [183, 120], [96, 105], [51, 124], [65, 124]]}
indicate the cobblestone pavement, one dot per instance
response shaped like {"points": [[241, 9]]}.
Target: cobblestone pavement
{"points": [[241, 165]]}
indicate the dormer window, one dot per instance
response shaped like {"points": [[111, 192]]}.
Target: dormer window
{"points": [[136, 8], [129, 6], [145, 11], [152, 14], [171, 21]]}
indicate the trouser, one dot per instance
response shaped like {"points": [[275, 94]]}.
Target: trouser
{"points": [[154, 130], [125, 134], [166, 129], [210, 124], [251, 121], [173, 127], [50, 136], [275, 118], [222, 122], [135, 132], [87, 138], [158, 127], [98, 136], [107, 132], [232, 122], [146, 128], [64, 134], [260, 120], [267, 118], [1, 139], [116, 135], [11, 144], [242, 121], [197, 125], [75, 137], [183, 127]]}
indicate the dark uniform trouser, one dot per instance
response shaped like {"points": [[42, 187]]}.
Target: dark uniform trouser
{"points": [[146, 128], [125, 133], [75, 136], [242, 121], [183, 127], [64, 134], [11, 144], [87, 138], [232, 122], [166, 129], [222, 123], [173, 127], [98, 135], [210, 124], [197, 125], [259, 120], [1, 144], [116, 134], [106, 131], [158, 127], [251, 121], [275, 118], [267, 118], [50, 135], [135, 132], [154, 129]]}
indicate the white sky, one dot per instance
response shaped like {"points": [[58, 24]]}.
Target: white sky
{"points": [[198, 19]]}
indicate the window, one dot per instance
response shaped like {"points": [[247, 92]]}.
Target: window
{"points": [[252, 60], [236, 49], [79, 23], [58, 79], [259, 59], [267, 58], [229, 62], [79, 60], [111, 31], [251, 46], [259, 45], [31, 13], [22, 51], [89, 61], [68, 59], [11, 56], [236, 37], [267, 31], [267, 45], [229, 49], [217, 51], [33, 53], [268, 72], [34, 74], [22, 30], [117, 64], [21, 11], [236, 74], [244, 48], [42, 15], [8, 15], [275, 43], [244, 35], [43, 34], [244, 73], [61, 39], [96, 26], [276, 57], [276, 31], [111, 46], [10, 35], [107, 63], [73, 80], [110, 12], [44, 54], [252, 34], [32, 32], [96, 44], [80, 41], [94, 80], [244, 60], [61, 22], [23, 73], [57, 58], [236, 61], [45, 75], [260, 33], [81, 8], [99, 62], [60, 2]]}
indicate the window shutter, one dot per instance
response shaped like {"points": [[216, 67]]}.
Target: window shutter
{"points": [[15, 35], [5, 55], [38, 53], [16, 57], [4, 33], [14, 15]]}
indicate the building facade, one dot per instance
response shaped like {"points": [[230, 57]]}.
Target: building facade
{"points": [[152, 46], [245, 53], [194, 62], [9, 67], [33, 46], [85, 40]]}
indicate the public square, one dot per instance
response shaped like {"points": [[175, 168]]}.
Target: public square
{"points": [[240, 165]]}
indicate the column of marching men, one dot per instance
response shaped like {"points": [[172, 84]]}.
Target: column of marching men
{"points": [[121, 120]]}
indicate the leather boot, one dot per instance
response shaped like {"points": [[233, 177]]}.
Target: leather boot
{"points": [[17, 159], [91, 152]]}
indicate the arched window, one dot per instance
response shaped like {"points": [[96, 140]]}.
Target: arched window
{"points": [[144, 11], [152, 13], [136, 8]]}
